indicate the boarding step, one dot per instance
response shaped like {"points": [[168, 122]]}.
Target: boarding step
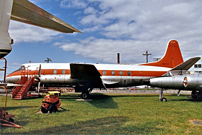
{"points": [[17, 98], [21, 93]]}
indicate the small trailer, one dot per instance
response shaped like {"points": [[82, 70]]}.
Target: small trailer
{"points": [[51, 102]]}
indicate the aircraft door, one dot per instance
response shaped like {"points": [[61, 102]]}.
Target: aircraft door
{"points": [[124, 80]]}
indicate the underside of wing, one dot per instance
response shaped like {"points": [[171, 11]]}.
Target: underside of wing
{"points": [[87, 73], [26, 12]]}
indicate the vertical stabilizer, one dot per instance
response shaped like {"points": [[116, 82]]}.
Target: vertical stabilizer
{"points": [[172, 57], [5, 13]]}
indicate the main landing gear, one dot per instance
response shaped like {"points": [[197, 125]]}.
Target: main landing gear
{"points": [[196, 95], [85, 92], [161, 98], [85, 95]]}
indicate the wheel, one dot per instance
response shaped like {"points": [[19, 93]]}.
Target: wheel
{"points": [[43, 110], [199, 96], [84, 95], [53, 108], [163, 99], [193, 94]]}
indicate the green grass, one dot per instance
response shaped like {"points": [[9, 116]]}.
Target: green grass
{"points": [[108, 114]]}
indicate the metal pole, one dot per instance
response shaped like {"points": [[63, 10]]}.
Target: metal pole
{"points": [[146, 54], [5, 69], [118, 58]]}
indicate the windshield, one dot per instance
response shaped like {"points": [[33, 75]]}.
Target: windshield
{"points": [[21, 68]]}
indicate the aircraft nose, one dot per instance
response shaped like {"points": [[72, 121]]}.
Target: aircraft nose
{"points": [[7, 79], [12, 78]]}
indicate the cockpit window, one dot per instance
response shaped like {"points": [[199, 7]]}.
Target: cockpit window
{"points": [[168, 74], [21, 68]]}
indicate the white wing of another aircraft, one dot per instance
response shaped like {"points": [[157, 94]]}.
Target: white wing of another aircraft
{"points": [[26, 12]]}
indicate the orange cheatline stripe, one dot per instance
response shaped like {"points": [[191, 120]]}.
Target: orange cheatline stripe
{"points": [[108, 72]]}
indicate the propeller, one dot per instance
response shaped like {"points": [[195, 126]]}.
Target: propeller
{"points": [[185, 82], [38, 78]]}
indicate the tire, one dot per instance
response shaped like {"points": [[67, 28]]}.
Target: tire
{"points": [[193, 94], [53, 108], [84, 95], [164, 100], [43, 110]]}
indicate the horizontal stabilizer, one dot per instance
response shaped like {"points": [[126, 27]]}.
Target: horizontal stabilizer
{"points": [[26, 12], [187, 64]]}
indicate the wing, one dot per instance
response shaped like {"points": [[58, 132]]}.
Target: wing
{"points": [[88, 74], [26, 12]]}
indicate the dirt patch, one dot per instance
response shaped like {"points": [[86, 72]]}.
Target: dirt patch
{"points": [[196, 122]]}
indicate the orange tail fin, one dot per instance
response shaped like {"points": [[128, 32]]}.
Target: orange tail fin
{"points": [[172, 57]]}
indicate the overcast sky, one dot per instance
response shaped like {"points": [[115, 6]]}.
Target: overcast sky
{"points": [[130, 27]]}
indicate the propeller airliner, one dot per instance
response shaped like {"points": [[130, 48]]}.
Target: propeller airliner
{"points": [[85, 77]]}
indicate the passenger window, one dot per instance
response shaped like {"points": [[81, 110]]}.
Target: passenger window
{"points": [[104, 72], [54, 71], [129, 73], [121, 73], [113, 73], [63, 71]]}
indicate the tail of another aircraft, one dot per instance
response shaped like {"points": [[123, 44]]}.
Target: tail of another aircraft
{"points": [[172, 57]]}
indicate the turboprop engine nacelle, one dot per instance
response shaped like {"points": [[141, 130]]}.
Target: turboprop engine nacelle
{"points": [[182, 82]]}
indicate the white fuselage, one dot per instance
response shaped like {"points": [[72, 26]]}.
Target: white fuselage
{"points": [[112, 75]]}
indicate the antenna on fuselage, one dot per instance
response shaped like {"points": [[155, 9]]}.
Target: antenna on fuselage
{"points": [[48, 60]]}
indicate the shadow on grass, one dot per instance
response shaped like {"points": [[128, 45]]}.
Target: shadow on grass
{"points": [[103, 101], [73, 96], [187, 99], [134, 95], [108, 125]]}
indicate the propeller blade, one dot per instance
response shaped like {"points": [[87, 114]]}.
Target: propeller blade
{"points": [[38, 78], [40, 70], [38, 88]]}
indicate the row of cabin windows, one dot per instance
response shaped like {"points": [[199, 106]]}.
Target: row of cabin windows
{"points": [[55, 71], [198, 72], [104, 72], [197, 66], [120, 73]]}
